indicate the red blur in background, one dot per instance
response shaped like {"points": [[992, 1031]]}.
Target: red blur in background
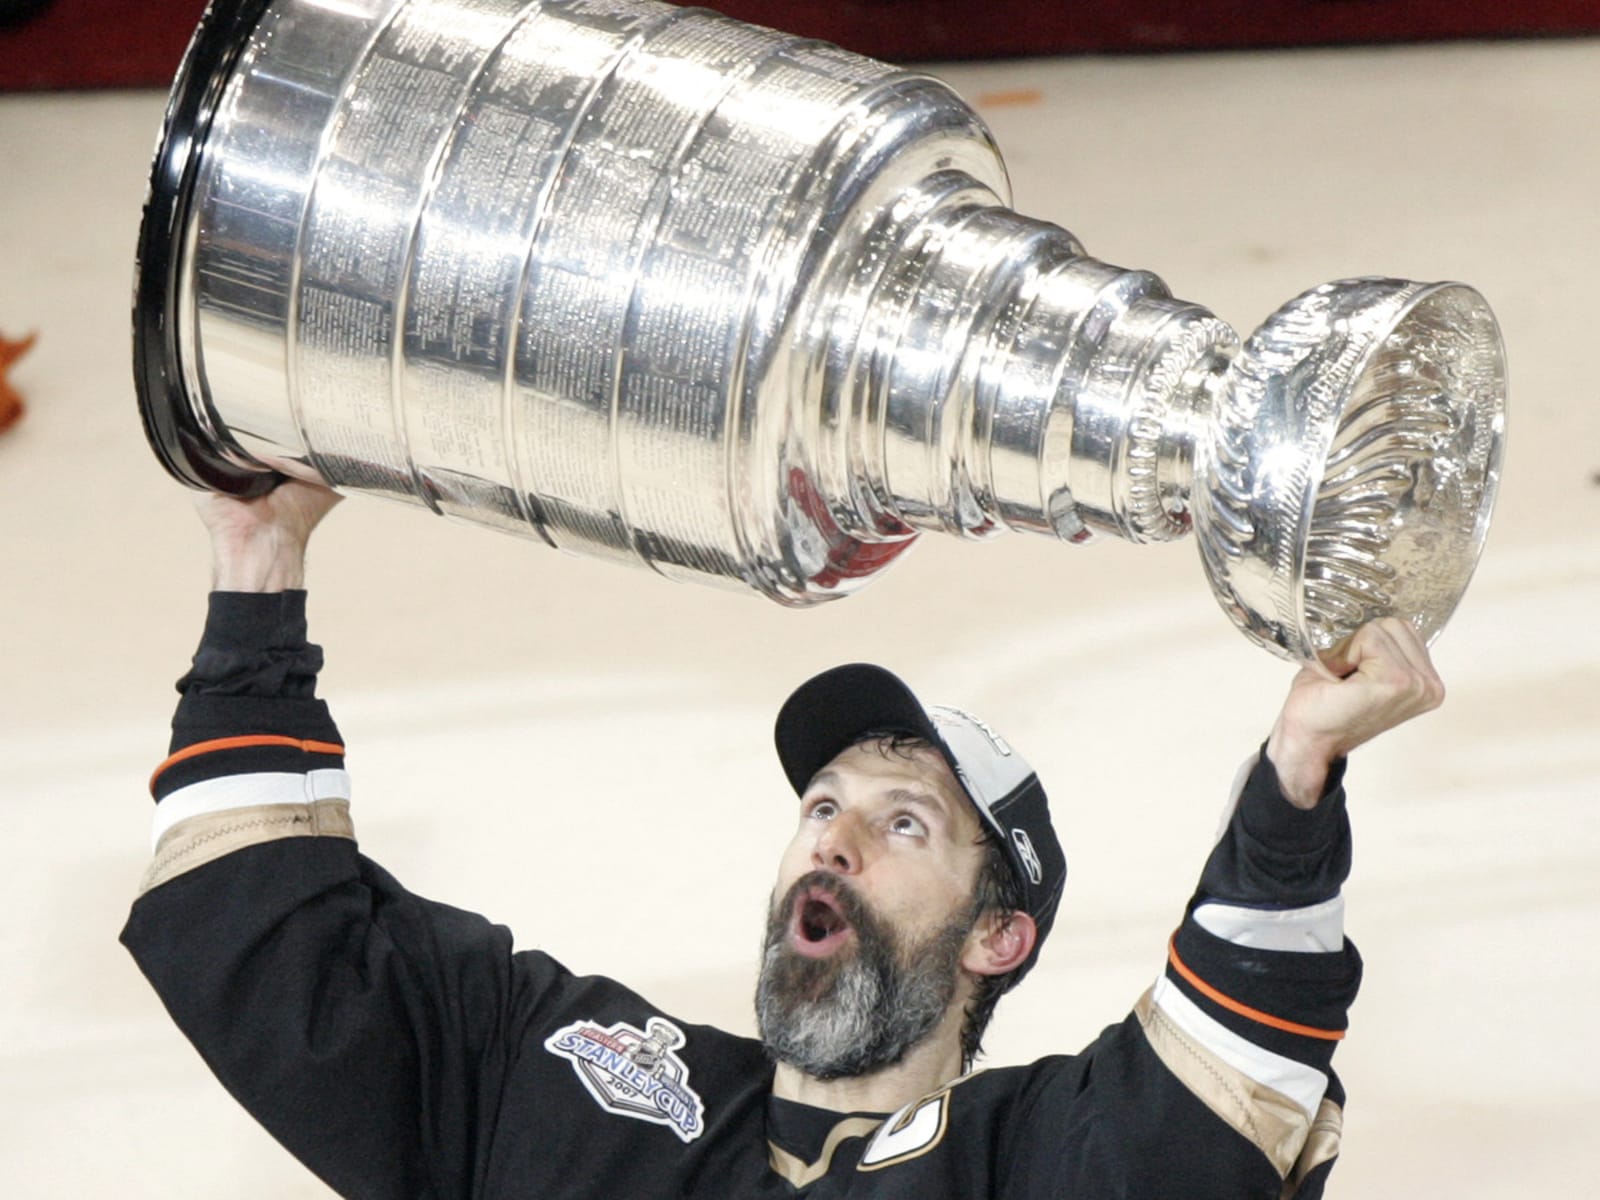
{"points": [[137, 43]]}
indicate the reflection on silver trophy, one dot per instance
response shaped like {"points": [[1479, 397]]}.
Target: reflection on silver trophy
{"points": [[655, 285]]}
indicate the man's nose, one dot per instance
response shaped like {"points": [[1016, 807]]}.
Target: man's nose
{"points": [[838, 846]]}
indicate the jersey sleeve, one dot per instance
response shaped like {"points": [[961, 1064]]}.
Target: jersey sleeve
{"points": [[1259, 979], [1219, 1085], [361, 1025]]}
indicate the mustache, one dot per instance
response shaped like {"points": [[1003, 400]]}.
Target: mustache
{"points": [[851, 906]]}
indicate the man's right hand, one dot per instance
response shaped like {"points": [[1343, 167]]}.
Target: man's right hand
{"points": [[259, 544]]}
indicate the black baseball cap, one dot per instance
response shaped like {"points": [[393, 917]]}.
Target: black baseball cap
{"points": [[833, 710]]}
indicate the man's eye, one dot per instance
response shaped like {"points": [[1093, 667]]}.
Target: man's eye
{"points": [[911, 826], [823, 810]]}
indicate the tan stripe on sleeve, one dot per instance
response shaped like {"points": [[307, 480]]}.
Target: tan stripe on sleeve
{"points": [[205, 838], [1264, 1116], [1320, 1147]]}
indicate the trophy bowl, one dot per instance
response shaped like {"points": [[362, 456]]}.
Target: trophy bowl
{"points": [[1352, 472]]}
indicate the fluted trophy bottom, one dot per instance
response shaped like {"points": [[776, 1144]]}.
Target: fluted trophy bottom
{"points": [[1351, 470], [653, 285]]}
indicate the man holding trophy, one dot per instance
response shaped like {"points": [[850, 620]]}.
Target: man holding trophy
{"points": [[402, 1048], [651, 285]]}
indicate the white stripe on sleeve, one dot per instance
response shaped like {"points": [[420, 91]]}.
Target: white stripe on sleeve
{"points": [[1305, 1085], [249, 791], [1316, 929]]}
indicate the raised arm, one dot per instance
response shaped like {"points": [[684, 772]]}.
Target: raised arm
{"points": [[1221, 1085], [359, 1023], [1260, 977]]}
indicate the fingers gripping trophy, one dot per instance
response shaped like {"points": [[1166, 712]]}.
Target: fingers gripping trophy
{"points": [[657, 286]]}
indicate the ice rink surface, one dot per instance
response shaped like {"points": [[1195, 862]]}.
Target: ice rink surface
{"points": [[583, 752]]}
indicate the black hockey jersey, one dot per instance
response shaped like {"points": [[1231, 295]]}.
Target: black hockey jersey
{"points": [[403, 1048]]}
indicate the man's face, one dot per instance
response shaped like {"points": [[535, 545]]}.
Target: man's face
{"points": [[871, 914]]}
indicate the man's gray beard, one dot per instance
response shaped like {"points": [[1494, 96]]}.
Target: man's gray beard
{"points": [[862, 1008]]}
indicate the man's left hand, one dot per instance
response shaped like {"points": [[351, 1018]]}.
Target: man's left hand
{"points": [[1386, 679]]}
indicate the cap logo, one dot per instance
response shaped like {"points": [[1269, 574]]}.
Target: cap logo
{"points": [[1030, 856]]}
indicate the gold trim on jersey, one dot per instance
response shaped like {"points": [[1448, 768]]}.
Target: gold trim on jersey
{"points": [[1264, 1116], [803, 1174], [205, 838], [1321, 1146]]}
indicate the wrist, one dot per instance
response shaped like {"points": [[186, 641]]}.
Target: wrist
{"points": [[264, 560], [1302, 764]]}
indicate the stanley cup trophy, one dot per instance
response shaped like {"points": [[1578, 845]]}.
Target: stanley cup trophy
{"points": [[655, 285]]}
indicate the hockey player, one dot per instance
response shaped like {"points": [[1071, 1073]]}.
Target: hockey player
{"points": [[401, 1048]]}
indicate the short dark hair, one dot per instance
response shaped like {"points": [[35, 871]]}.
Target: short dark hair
{"points": [[997, 889]]}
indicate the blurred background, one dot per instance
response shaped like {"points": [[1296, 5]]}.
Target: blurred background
{"points": [[583, 752], [137, 43]]}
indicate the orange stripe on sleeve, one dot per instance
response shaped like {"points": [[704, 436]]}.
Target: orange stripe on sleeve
{"points": [[1244, 1010], [239, 743]]}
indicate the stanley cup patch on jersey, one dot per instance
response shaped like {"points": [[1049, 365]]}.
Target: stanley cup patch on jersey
{"points": [[634, 1073]]}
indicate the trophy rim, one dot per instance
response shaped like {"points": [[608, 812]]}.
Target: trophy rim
{"points": [[1280, 491], [1429, 622], [176, 437]]}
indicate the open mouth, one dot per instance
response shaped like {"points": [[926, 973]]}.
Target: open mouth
{"points": [[818, 927]]}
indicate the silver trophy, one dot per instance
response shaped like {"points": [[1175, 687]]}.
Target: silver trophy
{"points": [[655, 285]]}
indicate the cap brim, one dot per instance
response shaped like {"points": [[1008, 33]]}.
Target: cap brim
{"points": [[831, 711]]}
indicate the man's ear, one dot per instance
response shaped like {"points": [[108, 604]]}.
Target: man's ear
{"points": [[999, 942]]}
